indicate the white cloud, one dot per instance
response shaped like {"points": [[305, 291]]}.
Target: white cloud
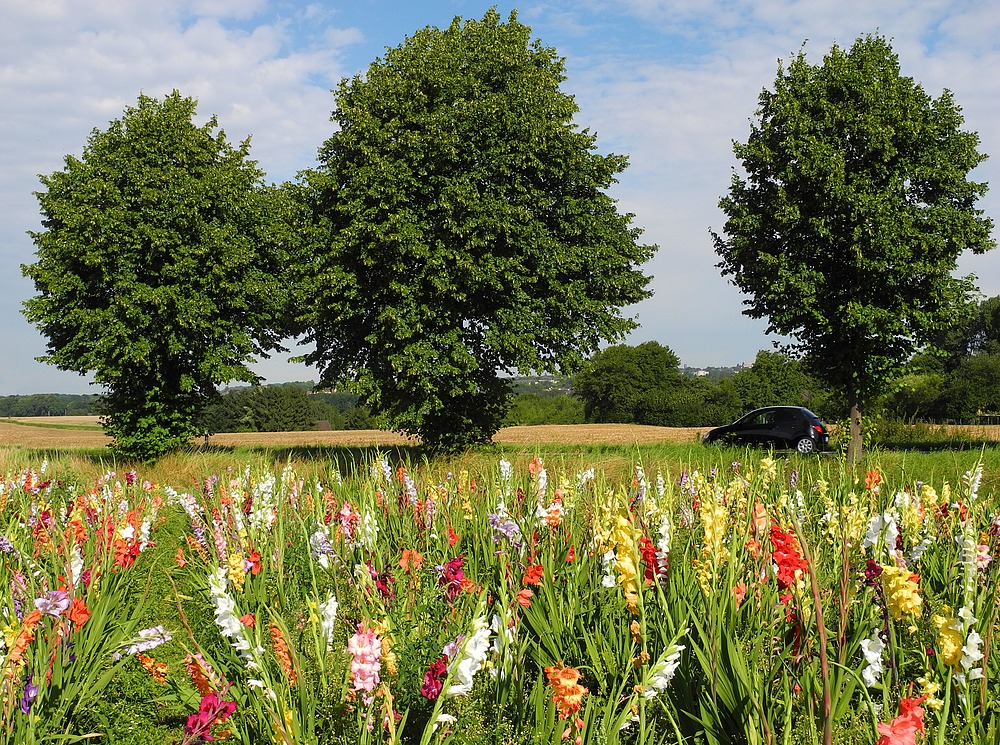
{"points": [[668, 82]]}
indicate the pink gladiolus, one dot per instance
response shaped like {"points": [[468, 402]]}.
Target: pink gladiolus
{"points": [[366, 649], [213, 710]]}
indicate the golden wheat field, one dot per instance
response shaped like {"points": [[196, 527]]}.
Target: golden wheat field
{"points": [[84, 432], [67, 432]]}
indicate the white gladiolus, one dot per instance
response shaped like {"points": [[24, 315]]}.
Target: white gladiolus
{"points": [[472, 659], [872, 649], [327, 615], [663, 671]]}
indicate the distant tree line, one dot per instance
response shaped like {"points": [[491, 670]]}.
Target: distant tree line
{"points": [[49, 404], [644, 385], [960, 380], [956, 380], [285, 408]]}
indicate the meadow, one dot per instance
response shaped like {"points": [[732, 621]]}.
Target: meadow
{"points": [[602, 590]]}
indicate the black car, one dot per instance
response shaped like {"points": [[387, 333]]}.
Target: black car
{"points": [[775, 426]]}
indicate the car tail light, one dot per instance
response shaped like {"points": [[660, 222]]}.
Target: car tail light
{"points": [[819, 429]]}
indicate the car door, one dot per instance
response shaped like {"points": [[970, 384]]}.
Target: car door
{"points": [[758, 428], [788, 427]]}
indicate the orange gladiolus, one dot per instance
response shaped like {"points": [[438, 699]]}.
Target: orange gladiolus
{"points": [[78, 613], [524, 597], [872, 480], [567, 693], [410, 559], [15, 658], [198, 675], [157, 669], [281, 652]]}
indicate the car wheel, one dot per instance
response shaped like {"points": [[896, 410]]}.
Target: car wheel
{"points": [[805, 445]]}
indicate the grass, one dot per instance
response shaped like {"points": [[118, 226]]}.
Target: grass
{"points": [[137, 711]]}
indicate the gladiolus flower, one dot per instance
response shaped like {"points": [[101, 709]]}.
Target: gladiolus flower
{"points": [[567, 693], [282, 653], [253, 558], [410, 559], [903, 729], [534, 574], [949, 638], [213, 710], [524, 597], [434, 678], [200, 675], [53, 603], [872, 480], [739, 592], [158, 670], [787, 557], [248, 619], [179, 558], [366, 649], [78, 613], [901, 591]]}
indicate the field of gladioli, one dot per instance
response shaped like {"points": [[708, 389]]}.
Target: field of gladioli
{"points": [[649, 596]]}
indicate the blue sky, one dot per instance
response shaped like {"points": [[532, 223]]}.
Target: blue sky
{"points": [[670, 83]]}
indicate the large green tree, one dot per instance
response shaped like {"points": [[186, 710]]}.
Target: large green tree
{"points": [[854, 207], [159, 270], [776, 379], [614, 381], [460, 227]]}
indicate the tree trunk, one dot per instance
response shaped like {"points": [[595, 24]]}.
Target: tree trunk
{"points": [[855, 447]]}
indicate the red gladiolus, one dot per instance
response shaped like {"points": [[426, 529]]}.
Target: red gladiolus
{"points": [[534, 574], [255, 565], [652, 564], [787, 557], [434, 678]]}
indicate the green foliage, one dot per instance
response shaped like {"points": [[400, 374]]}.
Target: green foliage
{"points": [[532, 408], [459, 227], [283, 408], [973, 388], [775, 379], [159, 269], [48, 404], [615, 379], [855, 207]]}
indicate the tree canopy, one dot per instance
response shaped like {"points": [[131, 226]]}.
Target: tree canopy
{"points": [[460, 227], [159, 269], [612, 383], [854, 207]]}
